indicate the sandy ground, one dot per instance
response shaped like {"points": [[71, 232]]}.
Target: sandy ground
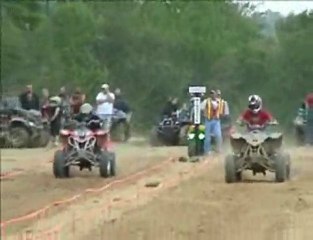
{"points": [[36, 186], [207, 208], [192, 201]]}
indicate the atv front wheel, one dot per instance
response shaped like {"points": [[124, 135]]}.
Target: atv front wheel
{"points": [[59, 168], [192, 151], [113, 164], [231, 174], [154, 139], [19, 137], [282, 168], [105, 165]]}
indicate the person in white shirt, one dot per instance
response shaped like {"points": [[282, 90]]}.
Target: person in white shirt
{"points": [[105, 100]]}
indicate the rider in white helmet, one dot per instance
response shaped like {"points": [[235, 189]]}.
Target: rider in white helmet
{"points": [[255, 116], [87, 115]]}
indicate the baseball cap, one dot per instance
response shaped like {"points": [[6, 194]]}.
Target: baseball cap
{"points": [[105, 86]]}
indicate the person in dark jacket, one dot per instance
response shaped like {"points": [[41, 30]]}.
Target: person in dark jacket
{"points": [[55, 116], [121, 106], [120, 103], [171, 106], [29, 100]]}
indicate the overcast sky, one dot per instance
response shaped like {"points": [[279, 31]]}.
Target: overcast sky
{"points": [[284, 7]]}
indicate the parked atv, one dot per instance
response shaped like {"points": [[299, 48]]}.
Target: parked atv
{"points": [[170, 132], [84, 148], [196, 140], [21, 129], [258, 150], [193, 137], [120, 128]]}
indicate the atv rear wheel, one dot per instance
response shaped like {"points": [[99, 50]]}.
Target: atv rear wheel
{"points": [[105, 165], [19, 137], [59, 168], [281, 168], [231, 174], [44, 138]]}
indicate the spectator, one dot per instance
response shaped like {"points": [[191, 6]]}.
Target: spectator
{"points": [[121, 105], [65, 105], [170, 107], [212, 111], [55, 117], [45, 103], [105, 100], [29, 100], [76, 100]]}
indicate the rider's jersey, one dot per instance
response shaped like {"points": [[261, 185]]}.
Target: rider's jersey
{"points": [[260, 118], [92, 120]]}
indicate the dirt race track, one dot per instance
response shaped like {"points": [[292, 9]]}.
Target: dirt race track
{"points": [[184, 201]]}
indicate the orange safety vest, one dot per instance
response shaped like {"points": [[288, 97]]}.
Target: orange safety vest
{"points": [[220, 109]]}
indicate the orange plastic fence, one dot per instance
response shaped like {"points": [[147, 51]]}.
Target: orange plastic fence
{"points": [[41, 212]]}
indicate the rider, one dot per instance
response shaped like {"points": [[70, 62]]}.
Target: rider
{"points": [[86, 115], [255, 116]]}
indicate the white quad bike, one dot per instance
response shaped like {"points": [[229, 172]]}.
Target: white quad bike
{"points": [[258, 150]]}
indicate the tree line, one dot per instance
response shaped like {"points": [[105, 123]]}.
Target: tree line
{"points": [[154, 49]]}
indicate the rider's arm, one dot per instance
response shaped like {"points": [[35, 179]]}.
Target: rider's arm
{"points": [[243, 118]]}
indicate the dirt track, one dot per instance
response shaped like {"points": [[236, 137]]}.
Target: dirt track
{"points": [[202, 208], [36, 187]]}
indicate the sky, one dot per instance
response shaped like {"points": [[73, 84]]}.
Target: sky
{"points": [[284, 7]]}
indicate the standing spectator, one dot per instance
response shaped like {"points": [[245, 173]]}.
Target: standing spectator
{"points": [[105, 100], [65, 105], [55, 117], [170, 107], [76, 100], [121, 105], [45, 103], [224, 104], [29, 100], [212, 111]]}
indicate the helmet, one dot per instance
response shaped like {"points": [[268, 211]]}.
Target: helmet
{"points": [[255, 103], [86, 108], [55, 101]]}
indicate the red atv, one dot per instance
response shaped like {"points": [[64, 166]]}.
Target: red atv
{"points": [[84, 148]]}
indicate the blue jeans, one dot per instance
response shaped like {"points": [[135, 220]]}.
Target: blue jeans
{"points": [[212, 127]]}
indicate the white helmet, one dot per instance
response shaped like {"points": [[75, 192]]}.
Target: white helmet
{"points": [[86, 108], [255, 103]]}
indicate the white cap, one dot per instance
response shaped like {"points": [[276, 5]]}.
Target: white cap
{"points": [[105, 86]]}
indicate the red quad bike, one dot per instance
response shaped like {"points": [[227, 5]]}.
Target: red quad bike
{"points": [[84, 148]]}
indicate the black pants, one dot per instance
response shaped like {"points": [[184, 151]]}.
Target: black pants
{"points": [[55, 126]]}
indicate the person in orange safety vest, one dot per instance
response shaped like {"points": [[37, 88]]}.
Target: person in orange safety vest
{"points": [[212, 109]]}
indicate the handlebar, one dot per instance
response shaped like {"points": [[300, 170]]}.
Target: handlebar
{"points": [[257, 126]]}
